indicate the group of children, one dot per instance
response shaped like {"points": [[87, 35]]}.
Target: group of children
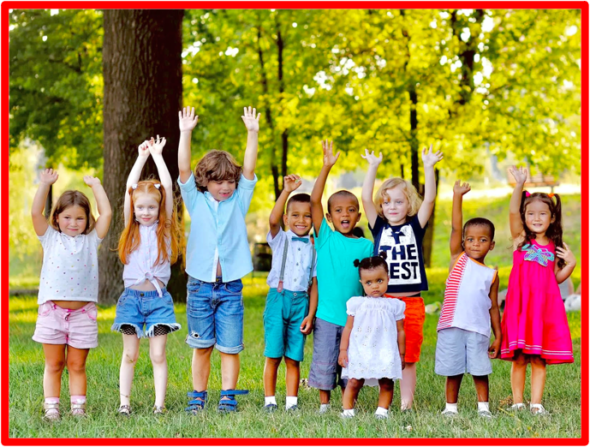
{"points": [[361, 300]]}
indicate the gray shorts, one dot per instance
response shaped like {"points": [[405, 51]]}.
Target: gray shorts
{"points": [[325, 373], [459, 351]]}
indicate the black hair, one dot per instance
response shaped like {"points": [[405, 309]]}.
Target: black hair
{"points": [[342, 193], [358, 232], [300, 198], [480, 222], [372, 262]]}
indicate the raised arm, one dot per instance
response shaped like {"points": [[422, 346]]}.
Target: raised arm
{"points": [[369, 184], [252, 125], [102, 203], [494, 349], [156, 147], [520, 175], [344, 341], [47, 178], [134, 176], [290, 184], [317, 210], [186, 122], [429, 159], [307, 323], [570, 263], [459, 190]]}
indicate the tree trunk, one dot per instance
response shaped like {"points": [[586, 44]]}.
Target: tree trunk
{"points": [[142, 69]]}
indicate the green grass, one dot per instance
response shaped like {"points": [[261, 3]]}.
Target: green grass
{"points": [[562, 393]]}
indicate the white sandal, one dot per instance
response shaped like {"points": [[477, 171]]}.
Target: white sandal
{"points": [[540, 410], [517, 407], [78, 409]]}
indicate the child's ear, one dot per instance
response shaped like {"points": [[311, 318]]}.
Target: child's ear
{"points": [[358, 218], [492, 245], [328, 217]]}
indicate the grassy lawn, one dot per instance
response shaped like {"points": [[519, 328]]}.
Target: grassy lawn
{"points": [[562, 393]]}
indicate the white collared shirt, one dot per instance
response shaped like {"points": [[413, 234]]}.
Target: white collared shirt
{"points": [[298, 265]]}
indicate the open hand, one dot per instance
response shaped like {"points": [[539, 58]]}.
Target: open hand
{"points": [[329, 157], [91, 181], [291, 182], [306, 325], [519, 174], [250, 119], [144, 149], [48, 176], [372, 158], [461, 189], [187, 120], [343, 358], [430, 158], [494, 349], [565, 254], [157, 146]]}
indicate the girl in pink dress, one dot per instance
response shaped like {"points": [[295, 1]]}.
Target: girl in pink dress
{"points": [[534, 325]]}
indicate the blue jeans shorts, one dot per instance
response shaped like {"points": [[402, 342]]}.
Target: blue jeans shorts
{"points": [[459, 351], [325, 372], [215, 313], [144, 307], [283, 315]]}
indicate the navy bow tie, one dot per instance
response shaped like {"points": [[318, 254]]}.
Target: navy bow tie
{"points": [[301, 239]]}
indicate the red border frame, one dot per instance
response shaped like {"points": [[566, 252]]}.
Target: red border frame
{"points": [[4, 23]]}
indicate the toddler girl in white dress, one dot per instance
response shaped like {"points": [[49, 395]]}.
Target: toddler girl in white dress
{"points": [[373, 343]]}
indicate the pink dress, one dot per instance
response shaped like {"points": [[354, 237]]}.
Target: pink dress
{"points": [[534, 318]]}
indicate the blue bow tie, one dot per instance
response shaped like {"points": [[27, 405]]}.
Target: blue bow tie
{"points": [[301, 239]]}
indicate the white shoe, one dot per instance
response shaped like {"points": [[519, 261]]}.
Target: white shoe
{"points": [[324, 409], [449, 413], [538, 410], [517, 407]]}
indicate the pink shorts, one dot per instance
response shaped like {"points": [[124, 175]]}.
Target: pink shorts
{"points": [[59, 326]]}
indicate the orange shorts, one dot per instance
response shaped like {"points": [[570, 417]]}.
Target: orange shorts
{"points": [[413, 324]]}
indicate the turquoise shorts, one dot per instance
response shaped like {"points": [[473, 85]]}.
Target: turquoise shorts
{"points": [[283, 315]]}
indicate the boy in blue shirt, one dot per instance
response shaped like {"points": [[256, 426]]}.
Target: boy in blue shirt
{"points": [[217, 198], [337, 276]]}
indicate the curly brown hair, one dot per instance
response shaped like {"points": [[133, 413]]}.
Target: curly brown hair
{"points": [[216, 166]]}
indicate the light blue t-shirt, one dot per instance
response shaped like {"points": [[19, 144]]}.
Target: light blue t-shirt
{"points": [[221, 227], [338, 278]]}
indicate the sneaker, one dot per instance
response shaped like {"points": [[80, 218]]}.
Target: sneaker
{"points": [[381, 416], [324, 409], [124, 410], [271, 408], [344, 415], [292, 409], [449, 413], [517, 407], [485, 414], [538, 410]]}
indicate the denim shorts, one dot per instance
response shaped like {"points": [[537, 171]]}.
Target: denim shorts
{"points": [[459, 351], [144, 307], [283, 314], [59, 326], [215, 313], [325, 372]]}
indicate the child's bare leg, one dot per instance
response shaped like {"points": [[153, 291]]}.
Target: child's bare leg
{"points": [[130, 355], [76, 361], [408, 386], [518, 377], [201, 366], [325, 396], [160, 365], [538, 375], [271, 366], [293, 375], [350, 394], [55, 360], [452, 388], [230, 370], [482, 387], [385, 393]]}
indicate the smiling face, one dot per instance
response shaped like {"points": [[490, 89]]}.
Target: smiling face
{"points": [[72, 220], [221, 190], [343, 213], [478, 242], [395, 206], [538, 217], [298, 218], [146, 209], [374, 281]]}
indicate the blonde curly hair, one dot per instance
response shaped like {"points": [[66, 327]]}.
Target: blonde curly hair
{"points": [[408, 189]]}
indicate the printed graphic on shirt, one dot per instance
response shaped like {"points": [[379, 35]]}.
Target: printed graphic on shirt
{"points": [[402, 255]]}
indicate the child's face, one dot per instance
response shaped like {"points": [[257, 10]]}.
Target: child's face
{"points": [[72, 220], [395, 206], [538, 217], [298, 218], [221, 190], [146, 209], [478, 242], [374, 281], [344, 214]]}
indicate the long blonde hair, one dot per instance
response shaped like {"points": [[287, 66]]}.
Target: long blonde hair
{"points": [[168, 228], [408, 189]]}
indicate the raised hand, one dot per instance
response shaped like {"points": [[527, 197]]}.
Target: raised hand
{"points": [[291, 182], [519, 174], [48, 176], [461, 189], [329, 157], [430, 158], [157, 146], [144, 149], [372, 158], [91, 181], [187, 120], [250, 119], [565, 254]]}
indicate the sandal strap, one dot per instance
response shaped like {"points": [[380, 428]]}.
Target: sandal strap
{"points": [[232, 393], [51, 406], [126, 409], [81, 406], [197, 394]]}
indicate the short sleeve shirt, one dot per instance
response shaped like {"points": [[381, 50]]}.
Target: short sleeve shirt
{"points": [[403, 245]]}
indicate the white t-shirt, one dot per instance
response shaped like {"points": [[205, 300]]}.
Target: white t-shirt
{"points": [[70, 267]]}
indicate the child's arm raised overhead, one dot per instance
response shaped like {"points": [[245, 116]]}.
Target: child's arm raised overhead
{"points": [[429, 159], [317, 210], [494, 349], [307, 323], [252, 125], [344, 340], [369, 184], [516, 227], [570, 263], [143, 153], [186, 122], [290, 184], [401, 341], [102, 203], [47, 178], [459, 190], [156, 148]]}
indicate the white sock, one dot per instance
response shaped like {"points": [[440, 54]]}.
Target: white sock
{"points": [[381, 411], [348, 412], [483, 406], [270, 400], [52, 400], [451, 407], [291, 401]]}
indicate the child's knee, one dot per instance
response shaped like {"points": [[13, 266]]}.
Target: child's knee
{"points": [[355, 383], [536, 360], [521, 360], [76, 366], [54, 366], [291, 364], [130, 357], [158, 358], [386, 384]]}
